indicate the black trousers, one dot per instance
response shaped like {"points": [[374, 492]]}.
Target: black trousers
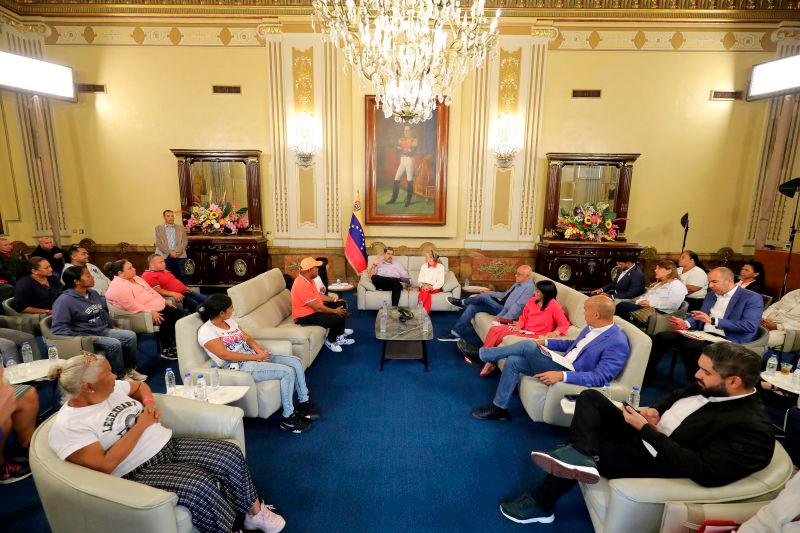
{"points": [[624, 310], [689, 351], [382, 283], [599, 429], [334, 323], [166, 330]]}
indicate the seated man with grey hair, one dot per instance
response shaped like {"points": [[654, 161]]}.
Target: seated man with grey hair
{"points": [[594, 359], [167, 285], [728, 313], [506, 305]]}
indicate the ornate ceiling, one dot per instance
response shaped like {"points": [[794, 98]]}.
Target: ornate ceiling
{"points": [[721, 10]]}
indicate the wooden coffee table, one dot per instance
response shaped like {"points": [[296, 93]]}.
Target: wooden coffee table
{"points": [[403, 340]]}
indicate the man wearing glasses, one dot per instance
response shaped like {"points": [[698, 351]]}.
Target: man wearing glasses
{"points": [[506, 305], [387, 275]]}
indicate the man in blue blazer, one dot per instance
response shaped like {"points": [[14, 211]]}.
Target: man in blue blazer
{"points": [[596, 357], [629, 282], [728, 312], [506, 305]]}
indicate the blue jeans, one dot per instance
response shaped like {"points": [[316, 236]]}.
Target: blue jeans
{"points": [[177, 266], [481, 303], [521, 358], [120, 346], [288, 369]]}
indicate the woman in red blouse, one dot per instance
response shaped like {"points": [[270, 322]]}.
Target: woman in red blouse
{"points": [[542, 316]]}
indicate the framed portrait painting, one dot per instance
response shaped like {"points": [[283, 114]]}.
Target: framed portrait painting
{"points": [[406, 168]]}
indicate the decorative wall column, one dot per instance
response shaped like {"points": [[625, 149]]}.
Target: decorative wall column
{"points": [[511, 83], [47, 204], [788, 41]]}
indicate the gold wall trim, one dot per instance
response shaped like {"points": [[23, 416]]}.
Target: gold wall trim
{"points": [[508, 82], [501, 208], [303, 80], [153, 34], [739, 39], [307, 197]]}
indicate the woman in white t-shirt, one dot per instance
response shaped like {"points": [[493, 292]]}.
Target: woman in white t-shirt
{"points": [[225, 343], [430, 279], [694, 276], [114, 427]]}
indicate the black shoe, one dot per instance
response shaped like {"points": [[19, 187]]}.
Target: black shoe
{"points": [[449, 337], [307, 410], [491, 412], [568, 463], [469, 352], [170, 354], [295, 423], [456, 301], [11, 472], [525, 510]]}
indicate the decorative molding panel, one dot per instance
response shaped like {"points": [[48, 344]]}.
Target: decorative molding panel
{"points": [[303, 80], [182, 34], [508, 91], [682, 39]]}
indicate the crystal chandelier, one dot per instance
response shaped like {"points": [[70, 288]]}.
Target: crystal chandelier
{"points": [[414, 52]]}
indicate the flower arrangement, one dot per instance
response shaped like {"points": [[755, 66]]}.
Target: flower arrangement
{"points": [[588, 222], [217, 217]]}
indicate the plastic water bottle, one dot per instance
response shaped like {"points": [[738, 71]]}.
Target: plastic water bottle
{"points": [[169, 380], [383, 321], [52, 353], [606, 391], [188, 385], [213, 378], [200, 389], [633, 398], [772, 365], [466, 282], [419, 308], [426, 325], [11, 368], [796, 376], [27, 353], [385, 308]]}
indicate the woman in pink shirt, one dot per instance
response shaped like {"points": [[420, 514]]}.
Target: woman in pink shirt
{"points": [[131, 293], [542, 316]]}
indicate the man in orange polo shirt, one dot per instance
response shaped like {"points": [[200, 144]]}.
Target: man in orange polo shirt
{"points": [[311, 308]]}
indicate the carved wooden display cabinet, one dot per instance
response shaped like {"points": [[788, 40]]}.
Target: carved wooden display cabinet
{"points": [[222, 260], [574, 179]]}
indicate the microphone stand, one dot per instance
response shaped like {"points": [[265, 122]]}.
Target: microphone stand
{"points": [[792, 232], [685, 233]]}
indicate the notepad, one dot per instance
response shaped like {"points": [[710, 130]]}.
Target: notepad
{"points": [[557, 357], [701, 336]]}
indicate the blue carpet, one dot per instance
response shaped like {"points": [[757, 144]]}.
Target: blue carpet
{"points": [[395, 451]]}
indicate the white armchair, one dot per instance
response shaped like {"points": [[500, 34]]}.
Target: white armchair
{"points": [[371, 298], [79, 500]]}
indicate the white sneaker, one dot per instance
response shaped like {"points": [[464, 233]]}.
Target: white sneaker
{"points": [[332, 346], [135, 376], [341, 340], [348, 332], [265, 520]]}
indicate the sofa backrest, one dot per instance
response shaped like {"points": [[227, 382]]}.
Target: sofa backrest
{"points": [[633, 372], [412, 263], [191, 355], [261, 302]]}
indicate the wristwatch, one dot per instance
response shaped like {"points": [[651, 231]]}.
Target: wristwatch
{"points": [[713, 321]]}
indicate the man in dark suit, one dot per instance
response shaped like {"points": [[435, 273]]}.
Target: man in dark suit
{"points": [[728, 312], [629, 282], [714, 433], [595, 358]]}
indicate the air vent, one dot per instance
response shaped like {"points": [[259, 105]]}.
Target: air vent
{"points": [[227, 89], [89, 88], [586, 93], [726, 95]]}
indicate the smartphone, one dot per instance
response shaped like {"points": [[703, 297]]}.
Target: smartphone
{"points": [[626, 404]]}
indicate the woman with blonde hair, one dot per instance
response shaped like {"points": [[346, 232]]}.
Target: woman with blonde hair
{"points": [[114, 427], [665, 295], [431, 279]]}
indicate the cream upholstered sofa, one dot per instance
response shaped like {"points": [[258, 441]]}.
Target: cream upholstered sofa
{"points": [[263, 308], [636, 505], [80, 500], [371, 298], [684, 517], [543, 403], [263, 398]]}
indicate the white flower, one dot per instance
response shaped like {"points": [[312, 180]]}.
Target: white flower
{"points": [[216, 225]]}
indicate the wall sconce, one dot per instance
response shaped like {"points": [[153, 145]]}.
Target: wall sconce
{"points": [[505, 139], [303, 138]]}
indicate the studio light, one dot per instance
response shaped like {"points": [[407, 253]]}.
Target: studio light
{"points": [[22, 73], [775, 78]]}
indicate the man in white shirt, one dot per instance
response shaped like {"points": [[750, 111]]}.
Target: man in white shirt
{"points": [[780, 316], [728, 313], [715, 432], [79, 256]]}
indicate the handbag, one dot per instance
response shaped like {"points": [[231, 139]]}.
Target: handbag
{"points": [[643, 315]]}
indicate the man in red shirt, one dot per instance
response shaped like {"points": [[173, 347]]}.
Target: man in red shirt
{"points": [[166, 284], [311, 308]]}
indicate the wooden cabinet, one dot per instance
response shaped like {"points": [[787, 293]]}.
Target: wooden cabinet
{"points": [[225, 260], [582, 265]]}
